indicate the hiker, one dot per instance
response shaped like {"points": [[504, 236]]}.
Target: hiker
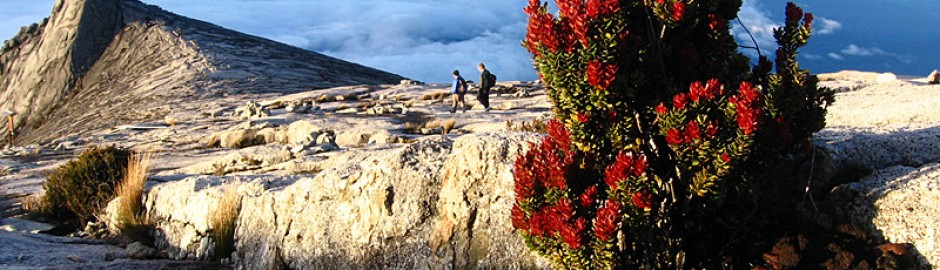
{"points": [[459, 89], [487, 80]]}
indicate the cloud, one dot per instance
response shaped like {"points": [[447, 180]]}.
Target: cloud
{"points": [[811, 56], [756, 20], [855, 50], [420, 39], [826, 26], [836, 56]]}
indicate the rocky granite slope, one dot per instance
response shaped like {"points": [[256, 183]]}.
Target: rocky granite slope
{"points": [[98, 63]]}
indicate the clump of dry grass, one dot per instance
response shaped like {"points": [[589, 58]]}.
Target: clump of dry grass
{"points": [[438, 96], [35, 207], [223, 221], [130, 219], [537, 126], [448, 125]]}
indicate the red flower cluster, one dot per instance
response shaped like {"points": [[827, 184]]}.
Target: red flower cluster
{"points": [[602, 7], [555, 219], [588, 197], [601, 75], [794, 13], [680, 100], [541, 29], [661, 109], [608, 219], [674, 136], [705, 92], [747, 103], [643, 200], [678, 10], [545, 166], [583, 117], [624, 166], [518, 217], [692, 132], [572, 12], [716, 22]]}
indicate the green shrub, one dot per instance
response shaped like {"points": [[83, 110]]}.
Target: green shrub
{"points": [[77, 190], [661, 129]]}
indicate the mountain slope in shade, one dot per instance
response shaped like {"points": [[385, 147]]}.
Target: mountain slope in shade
{"points": [[99, 63]]}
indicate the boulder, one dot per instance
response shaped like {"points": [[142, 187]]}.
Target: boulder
{"points": [[181, 210], [901, 204], [886, 77], [934, 77], [359, 137], [433, 204]]}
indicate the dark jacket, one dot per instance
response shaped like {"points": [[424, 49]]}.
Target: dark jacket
{"points": [[485, 79]]}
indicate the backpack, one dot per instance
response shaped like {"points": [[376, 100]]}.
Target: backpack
{"points": [[491, 80], [463, 84]]}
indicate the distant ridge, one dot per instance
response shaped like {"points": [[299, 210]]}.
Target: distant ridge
{"points": [[98, 63]]}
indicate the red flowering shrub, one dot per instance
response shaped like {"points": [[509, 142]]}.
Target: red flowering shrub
{"points": [[658, 122]]}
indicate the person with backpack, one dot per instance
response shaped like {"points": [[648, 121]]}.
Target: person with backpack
{"points": [[487, 81], [458, 89]]}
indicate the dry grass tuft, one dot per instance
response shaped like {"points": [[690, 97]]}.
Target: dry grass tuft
{"points": [[223, 221], [537, 126], [131, 190], [130, 220], [448, 125]]}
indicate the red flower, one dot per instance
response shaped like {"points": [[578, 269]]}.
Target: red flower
{"points": [[608, 219], [661, 109], [519, 220], [746, 103], [678, 10], [539, 224], [696, 90], [643, 199], [573, 233], [794, 13], [588, 197], [602, 7], [711, 130], [639, 165], [619, 170], [726, 158], [716, 22], [808, 19], [713, 88], [674, 137], [679, 101], [601, 75], [583, 117], [692, 131], [564, 209]]}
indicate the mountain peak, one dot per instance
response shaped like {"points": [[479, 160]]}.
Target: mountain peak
{"points": [[97, 63]]}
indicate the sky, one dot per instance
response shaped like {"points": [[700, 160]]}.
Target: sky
{"points": [[427, 39]]}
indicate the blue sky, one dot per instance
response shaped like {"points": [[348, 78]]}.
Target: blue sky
{"points": [[426, 39]]}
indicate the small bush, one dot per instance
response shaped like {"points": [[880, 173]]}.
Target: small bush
{"points": [[223, 221], [78, 189], [130, 218]]}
